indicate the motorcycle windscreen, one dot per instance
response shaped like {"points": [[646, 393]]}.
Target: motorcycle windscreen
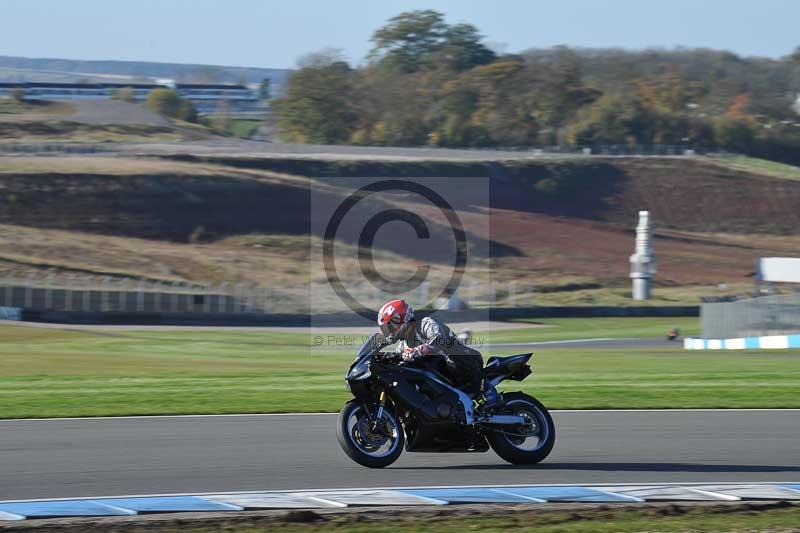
{"points": [[370, 345]]}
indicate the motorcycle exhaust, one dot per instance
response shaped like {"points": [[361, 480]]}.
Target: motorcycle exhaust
{"points": [[504, 420]]}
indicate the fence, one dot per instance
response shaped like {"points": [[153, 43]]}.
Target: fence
{"points": [[106, 293], [52, 148], [473, 152], [86, 293], [776, 314]]}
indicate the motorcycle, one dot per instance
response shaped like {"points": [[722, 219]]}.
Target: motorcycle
{"points": [[396, 406]]}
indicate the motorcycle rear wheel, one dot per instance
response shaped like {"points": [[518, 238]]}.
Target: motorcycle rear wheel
{"points": [[510, 443], [373, 447]]}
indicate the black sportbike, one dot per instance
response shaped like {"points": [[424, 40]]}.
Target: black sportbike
{"points": [[397, 406]]}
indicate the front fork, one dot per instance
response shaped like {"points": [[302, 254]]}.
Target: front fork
{"points": [[379, 412]]}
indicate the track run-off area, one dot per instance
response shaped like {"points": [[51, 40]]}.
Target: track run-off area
{"points": [[92, 457]]}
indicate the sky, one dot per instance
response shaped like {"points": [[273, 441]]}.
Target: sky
{"points": [[269, 33]]}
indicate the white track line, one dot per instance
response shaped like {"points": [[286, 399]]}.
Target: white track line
{"points": [[237, 415]]}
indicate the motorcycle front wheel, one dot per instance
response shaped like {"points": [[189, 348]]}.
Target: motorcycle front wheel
{"points": [[370, 443], [528, 444]]}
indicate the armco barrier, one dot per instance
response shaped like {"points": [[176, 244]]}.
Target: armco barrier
{"points": [[321, 499], [744, 343]]}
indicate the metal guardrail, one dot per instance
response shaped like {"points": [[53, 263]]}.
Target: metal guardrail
{"points": [[57, 291], [776, 314], [51, 148]]}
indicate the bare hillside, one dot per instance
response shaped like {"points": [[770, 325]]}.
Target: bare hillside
{"points": [[566, 226]]}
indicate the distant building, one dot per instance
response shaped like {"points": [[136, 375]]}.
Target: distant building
{"points": [[207, 98], [74, 91]]}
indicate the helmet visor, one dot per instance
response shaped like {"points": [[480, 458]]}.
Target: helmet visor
{"points": [[388, 330]]}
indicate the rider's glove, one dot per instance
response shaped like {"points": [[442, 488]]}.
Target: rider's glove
{"points": [[413, 354]]}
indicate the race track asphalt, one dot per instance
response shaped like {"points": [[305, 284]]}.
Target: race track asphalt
{"points": [[151, 455]]}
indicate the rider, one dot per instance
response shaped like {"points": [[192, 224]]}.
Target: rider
{"points": [[418, 340]]}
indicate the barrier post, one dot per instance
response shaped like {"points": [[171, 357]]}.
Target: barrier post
{"points": [[104, 296], [122, 297], [48, 291], [140, 296], [68, 292], [6, 283], [173, 296], [87, 295], [157, 297], [29, 291], [253, 296], [238, 292]]}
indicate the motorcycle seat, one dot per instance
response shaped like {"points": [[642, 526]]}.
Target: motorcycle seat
{"points": [[497, 366]]}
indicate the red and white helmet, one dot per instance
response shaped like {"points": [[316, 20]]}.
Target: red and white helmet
{"points": [[393, 319]]}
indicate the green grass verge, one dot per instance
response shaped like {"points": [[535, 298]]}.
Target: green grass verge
{"points": [[10, 106], [549, 329], [244, 128], [771, 517], [760, 166], [51, 373]]}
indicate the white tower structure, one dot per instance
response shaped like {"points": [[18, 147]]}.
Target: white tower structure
{"points": [[643, 261]]}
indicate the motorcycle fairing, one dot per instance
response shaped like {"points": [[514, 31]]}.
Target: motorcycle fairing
{"points": [[405, 386], [443, 414]]}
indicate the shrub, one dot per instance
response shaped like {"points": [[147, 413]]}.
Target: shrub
{"points": [[168, 102]]}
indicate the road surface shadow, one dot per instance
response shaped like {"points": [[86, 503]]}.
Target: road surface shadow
{"points": [[616, 467]]}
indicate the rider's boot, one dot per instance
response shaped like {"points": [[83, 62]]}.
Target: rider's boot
{"points": [[490, 397]]}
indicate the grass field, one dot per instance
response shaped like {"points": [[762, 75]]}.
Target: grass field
{"points": [[51, 372], [549, 329]]}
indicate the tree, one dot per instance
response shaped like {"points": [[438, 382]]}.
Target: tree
{"points": [[186, 111], [418, 40], [738, 107], [408, 40], [318, 106], [734, 134], [462, 48], [168, 102], [124, 94], [430, 82], [164, 102], [613, 119]]}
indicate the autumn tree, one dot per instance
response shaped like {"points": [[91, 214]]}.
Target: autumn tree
{"points": [[428, 82], [168, 102], [318, 106]]}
